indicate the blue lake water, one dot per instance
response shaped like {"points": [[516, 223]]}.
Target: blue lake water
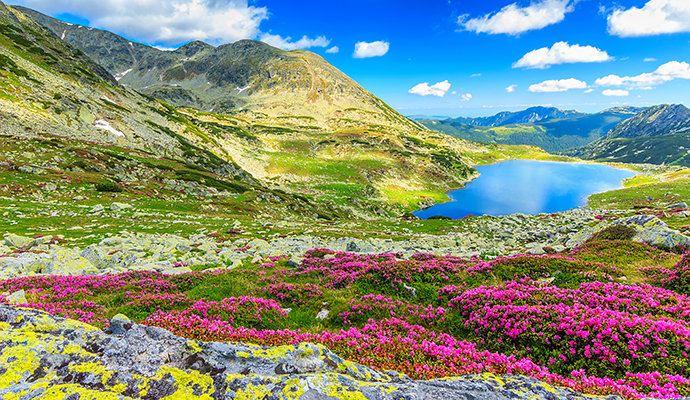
{"points": [[529, 187]]}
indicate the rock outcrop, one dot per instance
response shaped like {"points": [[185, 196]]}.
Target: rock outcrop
{"points": [[42, 356], [650, 230]]}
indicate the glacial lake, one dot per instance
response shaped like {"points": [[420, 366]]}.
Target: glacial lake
{"points": [[529, 187]]}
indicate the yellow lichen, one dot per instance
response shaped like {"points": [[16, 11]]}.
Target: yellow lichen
{"points": [[252, 392]]}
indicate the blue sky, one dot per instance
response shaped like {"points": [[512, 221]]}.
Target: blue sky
{"points": [[440, 57]]}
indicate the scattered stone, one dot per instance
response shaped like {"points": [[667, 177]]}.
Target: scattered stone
{"points": [[17, 241], [323, 314], [18, 297], [50, 187], [120, 206], [412, 292], [177, 271], [97, 209], [682, 205], [294, 262], [120, 324]]}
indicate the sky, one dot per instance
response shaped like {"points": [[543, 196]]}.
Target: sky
{"points": [[441, 57]]}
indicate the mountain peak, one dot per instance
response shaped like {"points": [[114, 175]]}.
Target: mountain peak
{"points": [[192, 48]]}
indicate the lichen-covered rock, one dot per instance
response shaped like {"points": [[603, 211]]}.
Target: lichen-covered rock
{"points": [[650, 230], [15, 241], [46, 356], [66, 262]]}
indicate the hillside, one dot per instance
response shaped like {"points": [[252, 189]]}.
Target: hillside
{"points": [[364, 161], [657, 135], [553, 134], [243, 75]]}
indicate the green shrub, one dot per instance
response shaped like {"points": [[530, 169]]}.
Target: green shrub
{"points": [[108, 186], [441, 217], [614, 232]]}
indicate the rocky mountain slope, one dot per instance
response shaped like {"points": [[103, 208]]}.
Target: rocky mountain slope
{"points": [[302, 126], [664, 119], [242, 75], [658, 135], [557, 130]]}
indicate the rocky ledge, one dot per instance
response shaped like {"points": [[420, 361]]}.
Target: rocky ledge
{"points": [[44, 356]]}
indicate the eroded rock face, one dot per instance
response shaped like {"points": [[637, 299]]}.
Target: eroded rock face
{"points": [[650, 230], [43, 355]]}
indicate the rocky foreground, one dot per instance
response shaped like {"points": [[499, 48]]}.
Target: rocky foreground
{"points": [[44, 356]]}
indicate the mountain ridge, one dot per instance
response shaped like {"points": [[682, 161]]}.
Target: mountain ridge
{"points": [[242, 75]]}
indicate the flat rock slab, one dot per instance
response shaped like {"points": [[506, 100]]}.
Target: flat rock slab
{"points": [[51, 357]]}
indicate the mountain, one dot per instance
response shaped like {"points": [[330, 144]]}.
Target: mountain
{"points": [[532, 114], [282, 125], [664, 119], [552, 134], [243, 75], [657, 135]]}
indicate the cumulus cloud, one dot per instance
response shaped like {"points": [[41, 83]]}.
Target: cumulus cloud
{"points": [[164, 22], [511, 88], [286, 44], [557, 85], [655, 18], [373, 49], [439, 89], [465, 97], [666, 72], [589, 90], [648, 59], [561, 53], [333, 50], [614, 92], [514, 20]]}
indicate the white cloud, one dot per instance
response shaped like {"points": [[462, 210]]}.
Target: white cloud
{"points": [[514, 20], [557, 85], [561, 53], [475, 75], [465, 97], [648, 59], [373, 49], [333, 50], [511, 88], [439, 89], [589, 90], [666, 72], [655, 18], [286, 44], [612, 92], [164, 22]]}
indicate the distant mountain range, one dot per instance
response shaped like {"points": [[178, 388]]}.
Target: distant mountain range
{"points": [[532, 114], [657, 135], [550, 128]]}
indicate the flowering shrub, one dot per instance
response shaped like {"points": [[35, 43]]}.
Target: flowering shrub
{"points": [[563, 318], [292, 293], [676, 278]]}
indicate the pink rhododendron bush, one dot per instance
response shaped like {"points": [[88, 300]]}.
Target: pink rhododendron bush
{"points": [[609, 317]]}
